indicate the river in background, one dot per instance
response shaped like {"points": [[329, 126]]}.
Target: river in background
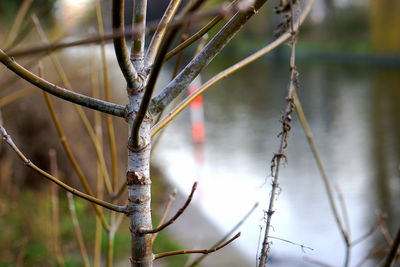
{"points": [[354, 114]]}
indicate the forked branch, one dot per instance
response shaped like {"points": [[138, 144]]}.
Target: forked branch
{"points": [[225, 73], [121, 51], [190, 72]]}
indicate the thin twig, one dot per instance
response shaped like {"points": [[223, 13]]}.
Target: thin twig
{"points": [[291, 242], [346, 220], [197, 35], [69, 153], [55, 210], [321, 168], [202, 251], [159, 34], [227, 72], [383, 227], [164, 215], [199, 259], [99, 137], [366, 235], [81, 113], [345, 213], [12, 34], [129, 32], [172, 220], [106, 80], [7, 138], [77, 228], [8, 99]]}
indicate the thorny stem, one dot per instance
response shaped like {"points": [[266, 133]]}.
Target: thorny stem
{"points": [[86, 101], [121, 51], [286, 127], [9, 141], [202, 251], [223, 74], [173, 219]]}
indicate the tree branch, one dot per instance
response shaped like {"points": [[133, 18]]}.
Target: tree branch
{"points": [[159, 34], [7, 138], [139, 22], [189, 73], [202, 251], [199, 259], [172, 220], [134, 141], [121, 51], [198, 34], [83, 100], [225, 73]]}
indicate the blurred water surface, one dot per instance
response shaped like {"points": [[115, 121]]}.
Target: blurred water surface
{"points": [[354, 114]]}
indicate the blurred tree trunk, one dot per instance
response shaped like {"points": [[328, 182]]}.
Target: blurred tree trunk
{"points": [[385, 24]]}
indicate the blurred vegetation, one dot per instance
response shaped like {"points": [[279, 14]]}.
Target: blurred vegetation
{"points": [[26, 228], [8, 9]]}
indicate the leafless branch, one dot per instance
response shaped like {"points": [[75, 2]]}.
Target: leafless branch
{"points": [[202, 251], [199, 259], [9, 141], [172, 220]]}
